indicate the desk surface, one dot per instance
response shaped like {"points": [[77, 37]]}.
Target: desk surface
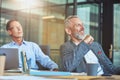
{"points": [[72, 77]]}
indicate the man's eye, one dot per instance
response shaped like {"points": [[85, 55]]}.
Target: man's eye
{"points": [[11, 28], [78, 25]]}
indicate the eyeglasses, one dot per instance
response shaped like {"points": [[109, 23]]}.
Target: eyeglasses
{"points": [[78, 25], [10, 28], [15, 27]]}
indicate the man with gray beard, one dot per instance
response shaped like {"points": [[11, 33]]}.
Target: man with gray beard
{"points": [[81, 49]]}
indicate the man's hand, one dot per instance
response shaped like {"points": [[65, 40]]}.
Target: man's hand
{"points": [[88, 39]]}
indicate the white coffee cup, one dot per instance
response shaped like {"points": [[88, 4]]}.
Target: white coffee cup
{"points": [[2, 64]]}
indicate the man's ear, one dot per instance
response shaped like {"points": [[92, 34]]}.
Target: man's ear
{"points": [[9, 32], [68, 31]]}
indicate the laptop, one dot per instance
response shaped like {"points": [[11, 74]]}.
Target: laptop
{"points": [[12, 59]]}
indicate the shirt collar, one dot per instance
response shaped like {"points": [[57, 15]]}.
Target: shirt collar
{"points": [[14, 43]]}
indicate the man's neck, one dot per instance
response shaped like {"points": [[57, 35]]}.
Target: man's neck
{"points": [[18, 40], [76, 41]]}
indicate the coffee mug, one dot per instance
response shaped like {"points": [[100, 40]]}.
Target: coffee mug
{"points": [[92, 69], [2, 64]]}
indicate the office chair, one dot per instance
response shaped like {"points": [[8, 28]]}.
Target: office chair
{"points": [[46, 51]]}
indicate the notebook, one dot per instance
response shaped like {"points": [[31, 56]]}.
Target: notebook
{"points": [[48, 73], [12, 60]]}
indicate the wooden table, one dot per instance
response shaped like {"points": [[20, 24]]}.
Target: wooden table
{"points": [[74, 77], [114, 77]]}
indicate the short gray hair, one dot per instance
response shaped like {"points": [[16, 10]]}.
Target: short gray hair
{"points": [[67, 20]]}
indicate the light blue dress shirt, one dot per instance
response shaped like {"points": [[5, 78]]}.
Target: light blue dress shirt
{"points": [[33, 53]]}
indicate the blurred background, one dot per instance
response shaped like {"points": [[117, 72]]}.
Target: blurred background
{"points": [[43, 22]]}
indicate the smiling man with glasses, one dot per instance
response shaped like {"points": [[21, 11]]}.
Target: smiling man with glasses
{"points": [[81, 49]]}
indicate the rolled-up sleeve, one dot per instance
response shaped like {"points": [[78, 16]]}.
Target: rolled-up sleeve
{"points": [[43, 59]]}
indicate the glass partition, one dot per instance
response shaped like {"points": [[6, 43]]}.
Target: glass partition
{"points": [[116, 38], [42, 20], [90, 17]]}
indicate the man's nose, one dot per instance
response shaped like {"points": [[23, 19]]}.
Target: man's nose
{"points": [[81, 28]]}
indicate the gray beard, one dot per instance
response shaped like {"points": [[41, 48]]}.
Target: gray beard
{"points": [[80, 37]]}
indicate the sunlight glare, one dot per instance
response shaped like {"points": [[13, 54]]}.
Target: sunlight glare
{"points": [[28, 3]]}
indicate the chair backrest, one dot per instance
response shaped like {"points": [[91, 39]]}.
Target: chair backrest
{"points": [[46, 51]]}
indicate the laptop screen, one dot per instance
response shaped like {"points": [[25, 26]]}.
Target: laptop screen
{"points": [[12, 61]]}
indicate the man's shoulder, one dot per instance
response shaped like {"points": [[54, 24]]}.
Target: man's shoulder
{"points": [[95, 44], [6, 45], [30, 43], [68, 43]]}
